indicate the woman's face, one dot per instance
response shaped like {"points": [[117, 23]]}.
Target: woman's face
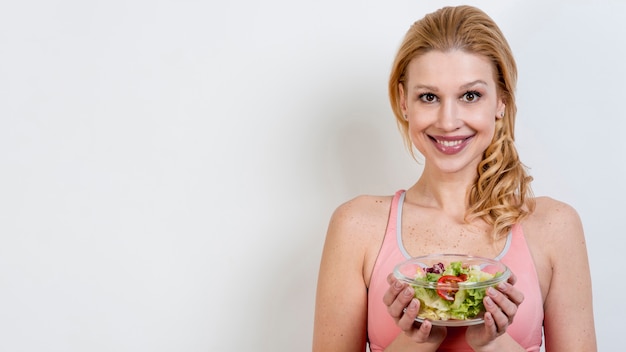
{"points": [[451, 103]]}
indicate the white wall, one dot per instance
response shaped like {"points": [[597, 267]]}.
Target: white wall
{"points": [[168, 168]]}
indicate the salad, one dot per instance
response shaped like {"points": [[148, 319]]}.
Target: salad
{"points": [[451, 292]]}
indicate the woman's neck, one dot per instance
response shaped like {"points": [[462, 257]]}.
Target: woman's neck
{"points": [[447, 192]]}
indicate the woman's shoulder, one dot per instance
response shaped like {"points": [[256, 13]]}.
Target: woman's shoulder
{"points": [[360, 217], [552, 222], [553, 212], [357, 227], [363, 210]]}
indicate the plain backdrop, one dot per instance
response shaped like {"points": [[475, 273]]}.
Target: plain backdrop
{"points": [[168, 168]]}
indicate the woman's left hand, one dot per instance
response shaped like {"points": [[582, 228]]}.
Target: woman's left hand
{"points": [[500, 305]]}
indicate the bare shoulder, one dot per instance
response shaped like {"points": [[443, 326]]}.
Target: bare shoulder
{"points": [[361, 218], [362, 212], [553, 211], [553, 221]]}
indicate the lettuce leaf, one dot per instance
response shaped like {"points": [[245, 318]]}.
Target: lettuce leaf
{"points": [[467, 304]]}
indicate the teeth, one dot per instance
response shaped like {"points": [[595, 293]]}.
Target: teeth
{"points": [[449, 143]]}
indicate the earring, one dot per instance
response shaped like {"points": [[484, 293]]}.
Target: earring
{"points": [[406, 117], [502, 114]]}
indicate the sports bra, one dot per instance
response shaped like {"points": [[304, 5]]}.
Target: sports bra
{"points": [[527, 327]]}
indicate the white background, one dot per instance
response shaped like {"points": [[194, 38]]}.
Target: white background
{"points": [[168, 168]]}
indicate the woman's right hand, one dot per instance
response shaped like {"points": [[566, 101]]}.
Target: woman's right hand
{"points": [[400, 296]]}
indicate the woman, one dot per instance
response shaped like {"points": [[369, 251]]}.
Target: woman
{"points": [[452, 91]]}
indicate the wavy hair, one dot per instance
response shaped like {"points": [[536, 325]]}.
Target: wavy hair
{"points": [[501, 194]]}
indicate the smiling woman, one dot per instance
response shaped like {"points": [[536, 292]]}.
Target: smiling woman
{"points": [[452, 92], [156, 153]]}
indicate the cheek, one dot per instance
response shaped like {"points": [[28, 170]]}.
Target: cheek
{"points": [[417, 136], [482, 121]]}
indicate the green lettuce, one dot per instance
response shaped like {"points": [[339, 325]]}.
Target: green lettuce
{"points": [[467, 304]]}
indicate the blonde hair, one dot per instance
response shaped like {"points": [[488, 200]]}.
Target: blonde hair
{"points": [[501, 194]]}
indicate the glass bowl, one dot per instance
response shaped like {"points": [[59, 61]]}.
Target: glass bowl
{"points": [[451, 287]]}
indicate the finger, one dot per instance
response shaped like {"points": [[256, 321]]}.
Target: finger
{"points": [[395, 287], [512, 279], [497, 316], [402, 300], [490, 325], [516, 296], [408, 318], [500, 305], [507, 302], [422, 333]]}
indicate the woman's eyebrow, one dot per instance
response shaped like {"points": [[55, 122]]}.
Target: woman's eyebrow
{"points": [[473, 83], [425, 87]]}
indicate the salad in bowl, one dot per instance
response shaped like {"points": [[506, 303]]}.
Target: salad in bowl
{"points": [[451, 287]]}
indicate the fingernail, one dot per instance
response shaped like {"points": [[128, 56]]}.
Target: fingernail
{"points": [[413, 304], [488, 301], [408, 291], [491, 291], [503, 286], [397, 284]]}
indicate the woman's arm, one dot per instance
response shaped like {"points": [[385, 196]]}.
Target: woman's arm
{"points": [[569, 320], [341, 302]]}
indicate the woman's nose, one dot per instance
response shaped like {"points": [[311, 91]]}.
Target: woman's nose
{"points": [[448, 119]]}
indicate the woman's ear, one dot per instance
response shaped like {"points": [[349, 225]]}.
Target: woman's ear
{"points": [[402, 99], [501, 109]]}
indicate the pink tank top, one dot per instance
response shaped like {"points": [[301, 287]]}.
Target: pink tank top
{"points": [[527, 326]]}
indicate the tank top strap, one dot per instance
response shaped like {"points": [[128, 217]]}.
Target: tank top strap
{"points": [[394, 223]]}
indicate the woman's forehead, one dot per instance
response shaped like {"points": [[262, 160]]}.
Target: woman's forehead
{"points": [[455, 68]]}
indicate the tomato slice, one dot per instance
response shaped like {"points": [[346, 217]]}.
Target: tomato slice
{"points": [[447, 285]]}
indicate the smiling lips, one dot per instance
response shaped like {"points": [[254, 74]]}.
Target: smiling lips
{"points": [[450, 145]]}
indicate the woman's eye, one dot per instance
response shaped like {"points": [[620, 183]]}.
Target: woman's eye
{"points": [[428, 97], [470, 97]]}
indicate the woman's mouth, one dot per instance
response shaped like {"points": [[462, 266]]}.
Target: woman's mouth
{"points": [[450, 145]]}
